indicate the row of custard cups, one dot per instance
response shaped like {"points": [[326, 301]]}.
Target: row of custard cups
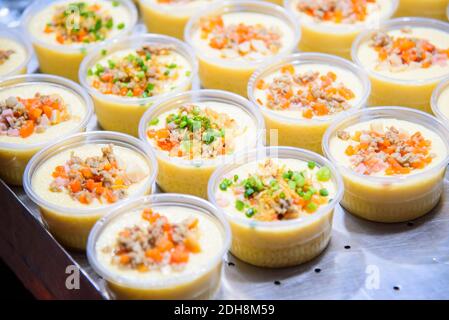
{"points": [[161, 127], [98, 178], [230, 44], [389, 149], [279, 202], [301, 180], [409, 83], [322, 22]]}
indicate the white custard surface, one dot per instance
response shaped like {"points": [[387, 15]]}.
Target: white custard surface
{"points": [[247, 18], [376, 12], [17, 58], [36, 26], [345, 77], [211, 240], [338, 146], [183, 67], [226, 199], [127, 159], [75, 105], [247, 126], [369, 59]]}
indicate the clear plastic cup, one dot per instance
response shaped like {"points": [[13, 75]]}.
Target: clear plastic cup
{"points": [[168, 18], [201, 284], [333, 38], [65, 60], [300, 132], [71, 226], [440, 102], [230, 75], [21, 67], [122, 114], [15, 156], [389, 91], [390, 198], [191, 176], [434, 9], [278, 243]]}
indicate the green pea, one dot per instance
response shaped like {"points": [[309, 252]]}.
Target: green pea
{"points": [[323, 174], [239, 205]]}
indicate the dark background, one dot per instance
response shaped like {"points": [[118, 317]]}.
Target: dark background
{"points": [[11, 285]]}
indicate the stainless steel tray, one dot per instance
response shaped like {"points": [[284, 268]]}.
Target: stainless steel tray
{"points": [[364, 260]]}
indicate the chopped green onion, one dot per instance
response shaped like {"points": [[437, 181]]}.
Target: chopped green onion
{"points": [[249, 192], [250, 212], [311, 165], [153, 122], [239, 205], [150, 86], [324, 192], [225, 184], [323, 174], [292, 184], [307, 195], [311, 207]]}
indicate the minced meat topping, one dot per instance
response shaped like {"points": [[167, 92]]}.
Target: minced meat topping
{"points": [[80, 22], [337, 11], [98, 177], [156, 246], [311, 93], [23, 117], [276, 193], [406, 52], [387, 150], [241, 40], [193, 132], [4, 55], [142, 74]]}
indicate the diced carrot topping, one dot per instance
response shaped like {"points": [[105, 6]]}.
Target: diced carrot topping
{"points": [[75, 186], [193, 224], [86, 172], [308, 114], [179, 255], [289, 68], [154, 254], [27, 129], [124, 259], [110, 197], [83, 199], [350, 151], [192, 245], [164, 244], [142, 268]]}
